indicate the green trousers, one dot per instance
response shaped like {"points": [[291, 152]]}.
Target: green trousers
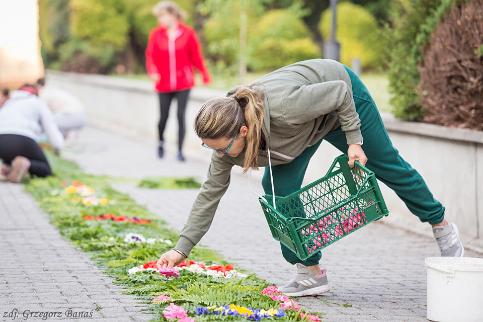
{"points": [[383, 159]]}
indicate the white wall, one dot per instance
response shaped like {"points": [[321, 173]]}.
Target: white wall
{"points": [[20, 60], [450, 160]]}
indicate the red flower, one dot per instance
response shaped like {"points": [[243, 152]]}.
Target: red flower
{"points": [[187, 263], [152, 264], [221, 268], [143, 221], [105, 216], [116, 218]]}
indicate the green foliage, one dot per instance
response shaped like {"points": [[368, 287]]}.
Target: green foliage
{"points": [[100, 36], [93, 36], [283, 24], [378, 8], [219, 294], [83, 56], [141, 19], [169, 183], [413, 22], [103, 240], [281, 38], [479, 51], [102, 23], [53, 27], [357, 32], [273, 53], [222, 30], [97, 33]]}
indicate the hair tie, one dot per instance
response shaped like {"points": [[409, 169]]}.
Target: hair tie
{"points": [[242, 101]]}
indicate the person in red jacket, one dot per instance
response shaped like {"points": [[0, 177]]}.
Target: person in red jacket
{"points": [[172, 53]]}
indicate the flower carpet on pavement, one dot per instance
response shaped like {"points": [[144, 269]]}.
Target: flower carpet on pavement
{"points": [[126, 240]]}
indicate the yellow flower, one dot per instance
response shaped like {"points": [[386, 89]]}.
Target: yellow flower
{"points": [[103, 201], [241, 309], [87, 202], [272, 312], [218, 309], [70, 190]]}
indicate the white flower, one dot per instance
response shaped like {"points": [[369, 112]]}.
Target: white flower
{"points": [[194, 269], [85, 191], [138, 269], [135, 270], [134, 238], [138, 238], [166, 241]]}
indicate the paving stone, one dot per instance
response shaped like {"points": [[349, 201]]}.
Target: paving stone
{"points": [[43, 271]]}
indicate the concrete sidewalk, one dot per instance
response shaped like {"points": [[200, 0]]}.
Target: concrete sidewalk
{"points": [[40, 271], [377, 273]]}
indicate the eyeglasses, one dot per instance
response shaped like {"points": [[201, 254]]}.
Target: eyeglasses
{"points": [[225, 150]]}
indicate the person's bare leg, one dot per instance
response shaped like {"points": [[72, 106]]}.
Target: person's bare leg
{"points": [[20, 166]]}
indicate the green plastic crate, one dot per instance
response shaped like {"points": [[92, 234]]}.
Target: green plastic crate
{"points": [[326, 210]]}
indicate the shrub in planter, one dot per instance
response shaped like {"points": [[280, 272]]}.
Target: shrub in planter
{"points": [[412, 25], [451, 82]]}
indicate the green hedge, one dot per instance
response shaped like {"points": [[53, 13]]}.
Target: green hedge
{"points": [[413, 23], [281, 38]]}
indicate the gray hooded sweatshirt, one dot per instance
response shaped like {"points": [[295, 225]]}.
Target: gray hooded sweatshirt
{"points": [[303, 102]]}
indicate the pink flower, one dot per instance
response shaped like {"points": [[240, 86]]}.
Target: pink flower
{"points": [[338, 231], [290, 305], [173, 312], [187, 319], [279, 298], [271, 290], [310, 317], [169, 272], [161, 299], [275, 297], [348, 225]]}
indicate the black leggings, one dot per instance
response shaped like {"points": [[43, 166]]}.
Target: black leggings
{"points": [[13, 145], [164, 104]]}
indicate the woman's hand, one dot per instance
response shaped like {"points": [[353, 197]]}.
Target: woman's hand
{"points": [[206, 79], [155, 77], [170, 258], [356, 153]]}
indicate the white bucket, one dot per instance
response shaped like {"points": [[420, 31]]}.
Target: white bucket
{"points": [[455, 289]]}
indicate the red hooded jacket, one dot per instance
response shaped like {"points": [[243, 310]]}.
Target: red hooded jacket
{"points": [[173, 60]]}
